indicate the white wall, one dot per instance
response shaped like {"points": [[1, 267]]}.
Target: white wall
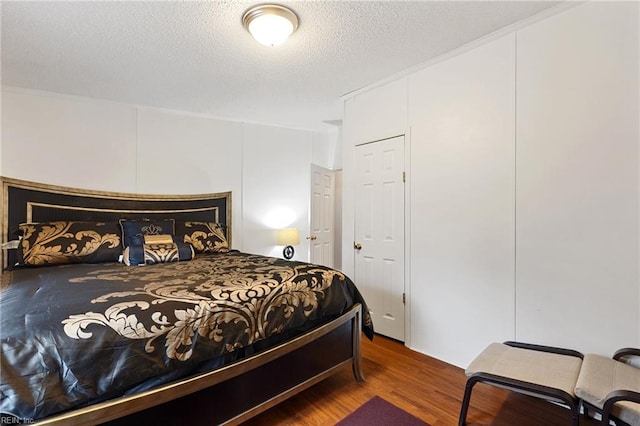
{"points": [[577, 278], [337, 256], [462, 201], [181, 154], [349, 136], [272, 187], [68, 141], [337, 152], [101, 145], [381, 113], [525, 186], [324, 147]]}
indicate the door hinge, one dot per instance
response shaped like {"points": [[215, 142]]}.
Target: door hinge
{"points": [[404, 298], [404, 177]]}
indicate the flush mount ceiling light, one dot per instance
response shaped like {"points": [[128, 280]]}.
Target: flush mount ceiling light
{"points": [[270, 24]]}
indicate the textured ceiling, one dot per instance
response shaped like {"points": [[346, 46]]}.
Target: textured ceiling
{"points": [[197, 57]]}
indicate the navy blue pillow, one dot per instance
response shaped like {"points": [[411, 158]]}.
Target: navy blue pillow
{"points": [[133, 231]]}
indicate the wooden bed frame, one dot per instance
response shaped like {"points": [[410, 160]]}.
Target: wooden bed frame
{"points": [[308, 358]]}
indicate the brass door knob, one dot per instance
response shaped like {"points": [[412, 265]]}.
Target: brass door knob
{"points": [[357, 246], [312, 237]]}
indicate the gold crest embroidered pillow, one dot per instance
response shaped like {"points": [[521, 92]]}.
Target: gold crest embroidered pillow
{"points": [[133, 231]]}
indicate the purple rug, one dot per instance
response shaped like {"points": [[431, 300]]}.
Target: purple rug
{"points": [[378, 412]]}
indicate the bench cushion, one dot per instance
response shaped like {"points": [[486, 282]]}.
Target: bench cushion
{"points": [[531, 366], [601, 375]]}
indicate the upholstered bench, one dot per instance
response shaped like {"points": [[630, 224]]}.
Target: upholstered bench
{"points": [[611, 386], [541, 371]]}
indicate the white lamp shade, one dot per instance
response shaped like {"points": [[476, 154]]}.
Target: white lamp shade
{"points": [[270, 25], [288, 237]]}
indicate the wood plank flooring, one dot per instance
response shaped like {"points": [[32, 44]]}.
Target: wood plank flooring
{"points": [[425, 387]]}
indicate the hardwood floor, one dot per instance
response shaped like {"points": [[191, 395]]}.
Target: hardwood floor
{"points": [[425, 387]]}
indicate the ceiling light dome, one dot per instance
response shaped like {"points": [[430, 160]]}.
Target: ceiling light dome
{"points": [[270, 24]]}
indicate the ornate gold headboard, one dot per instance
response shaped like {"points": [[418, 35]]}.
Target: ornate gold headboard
{"points": [[24, 201]]}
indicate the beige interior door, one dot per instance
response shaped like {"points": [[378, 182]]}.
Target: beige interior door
{"points": [[379, 232], [322, 237]]}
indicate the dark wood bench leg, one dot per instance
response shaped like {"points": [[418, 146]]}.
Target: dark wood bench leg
{"points": [[521, 387], [462, 420]]}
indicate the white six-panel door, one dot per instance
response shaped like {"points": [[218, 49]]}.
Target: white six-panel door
{"points": [[321, 239], [379, 232]]}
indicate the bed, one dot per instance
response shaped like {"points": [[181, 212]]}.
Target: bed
{"points": [[112, 304]]}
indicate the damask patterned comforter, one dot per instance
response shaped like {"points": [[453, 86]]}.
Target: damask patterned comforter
{"points": [[78, 334]]}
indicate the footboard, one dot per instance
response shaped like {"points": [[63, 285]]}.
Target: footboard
{"points": [[243, 389]]}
